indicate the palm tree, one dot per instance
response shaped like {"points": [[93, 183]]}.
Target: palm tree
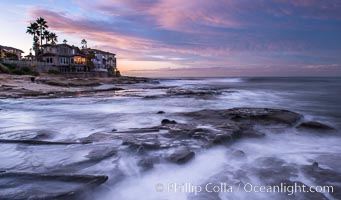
{"points": [[46, 36], [64, 41], [53, 38], [84, 44], [32, 29], [42, 25]]}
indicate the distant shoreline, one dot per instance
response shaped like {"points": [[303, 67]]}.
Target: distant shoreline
{"points": [[54, 86]]}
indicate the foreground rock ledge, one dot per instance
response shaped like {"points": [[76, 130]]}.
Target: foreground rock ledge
{"points": [[22, 185], [171, 141]]}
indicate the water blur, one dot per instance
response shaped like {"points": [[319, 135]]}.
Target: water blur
{"points": [[71, 118]]}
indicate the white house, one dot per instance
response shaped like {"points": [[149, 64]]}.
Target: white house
{"points": [[5, 50], [103, 61]]}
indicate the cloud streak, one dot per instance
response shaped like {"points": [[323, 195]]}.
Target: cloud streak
{"points": [[200, 33]]}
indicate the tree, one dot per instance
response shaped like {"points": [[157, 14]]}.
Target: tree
{"points": [[42, 26], [90, 54], [36, 45], [53, 38], [84, 44], [46, 36], [32, 29], [64, 41]]}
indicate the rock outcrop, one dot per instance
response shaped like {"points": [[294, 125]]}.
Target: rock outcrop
{"points": [[312, 125], [22, 185]]}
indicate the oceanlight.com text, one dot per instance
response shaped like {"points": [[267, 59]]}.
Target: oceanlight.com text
{"points": [[286, 188]]}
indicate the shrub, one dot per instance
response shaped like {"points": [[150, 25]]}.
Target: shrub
{"points": [[3, 69], [17, 72], [34, 73], [52, 71], [11, 66], [24, 71]]}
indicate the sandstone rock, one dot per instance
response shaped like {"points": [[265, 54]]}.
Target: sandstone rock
{"points": [[101, 153], [98, 137], [148, 142], [167, 121], [272, 170], [45, 134], [324, 177], [146, 163], [263, 116], [22, 185], [315, 126], [252, 134], [181, 155], [238, 154], [41, 142]]}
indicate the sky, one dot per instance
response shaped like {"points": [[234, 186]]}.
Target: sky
{"points": [[192, 37]]}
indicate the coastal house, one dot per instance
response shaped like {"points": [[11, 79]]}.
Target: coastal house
{"points": [[102, 60], [10, 53], [65, 57]]}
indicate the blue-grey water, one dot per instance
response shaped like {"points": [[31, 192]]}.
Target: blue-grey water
{"points": [[318, 99]]}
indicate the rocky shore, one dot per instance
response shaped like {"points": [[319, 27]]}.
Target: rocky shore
{"points": [[15, 86], [83, 148], [170, 142]]}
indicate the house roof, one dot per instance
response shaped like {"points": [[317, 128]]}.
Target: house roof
{"points": [[53, 54], [99, 51], [11, 48], [51, 45]]}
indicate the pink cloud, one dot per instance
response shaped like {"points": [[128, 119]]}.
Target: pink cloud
{"points": [[194, 32], [179, 15]]}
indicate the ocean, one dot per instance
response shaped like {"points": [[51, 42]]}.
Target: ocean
{"points": [[282, 152]]}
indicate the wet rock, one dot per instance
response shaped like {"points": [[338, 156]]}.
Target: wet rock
{"points": [[98, 137], [153, 97], [141, 130], [315, 126], [146, 163], [222, 185], [22, 185], [45, 134], [101, 153], [252, 134], [142, 142], [315, 165], [324, 177], [92, 158], [181, 155], [167, 121], [40, 142], [264, 116], [329, 161], [238, 154], [197, 93], [272, 170], [160, 112]]}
